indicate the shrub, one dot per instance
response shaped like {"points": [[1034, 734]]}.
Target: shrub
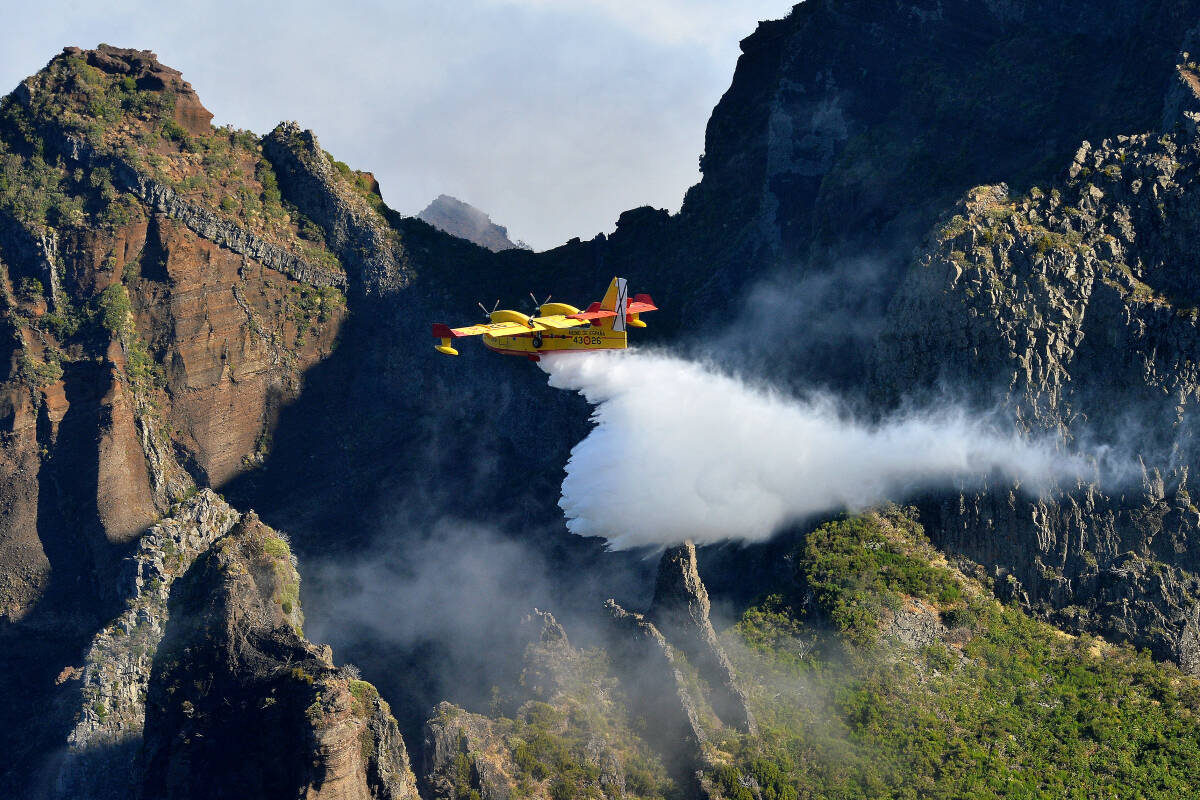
{"points": [[38, 374], [30, 289], [115, 309], [301, 675], [173, 131]]}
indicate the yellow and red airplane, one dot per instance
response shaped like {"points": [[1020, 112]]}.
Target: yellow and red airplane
{"points": [[557, 326]]}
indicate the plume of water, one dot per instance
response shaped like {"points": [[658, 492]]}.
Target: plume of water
{"points": [[681, 450]]}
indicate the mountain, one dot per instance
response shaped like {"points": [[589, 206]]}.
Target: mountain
{"points": [[465, 221], [987, 200]]}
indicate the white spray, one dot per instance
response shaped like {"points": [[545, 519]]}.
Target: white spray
{"points": [[680, 450]]}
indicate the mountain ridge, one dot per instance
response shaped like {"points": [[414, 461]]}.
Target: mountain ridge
{"points": [[463, 220]]}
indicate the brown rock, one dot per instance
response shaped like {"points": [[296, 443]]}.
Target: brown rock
{"points": [[123, 498], [26, 568], [144, 67]]}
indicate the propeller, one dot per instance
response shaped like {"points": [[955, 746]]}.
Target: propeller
{"points": [[486, 313], [537, 307]]}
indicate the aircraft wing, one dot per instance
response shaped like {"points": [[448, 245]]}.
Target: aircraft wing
{"points": [[599, 313], [560, 322], [492, 328], [640, 304]]}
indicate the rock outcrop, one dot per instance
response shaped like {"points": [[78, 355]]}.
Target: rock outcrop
{"points": [[104, 749], [464, 753], [661, 690], [239, 704], [371, 250], [205, 223], [465, 221], [569, 733], [681, 611], [203, 686]]}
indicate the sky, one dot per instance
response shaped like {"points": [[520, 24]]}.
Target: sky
{"points": [[553, 116]]}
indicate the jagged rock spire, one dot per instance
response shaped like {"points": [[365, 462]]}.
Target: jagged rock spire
{"points": [[681, 611]]}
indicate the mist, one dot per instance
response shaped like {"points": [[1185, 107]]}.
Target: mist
{"points": [[681, 450]]}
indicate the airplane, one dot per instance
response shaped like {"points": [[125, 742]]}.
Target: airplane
{"points": [[556, 327]]}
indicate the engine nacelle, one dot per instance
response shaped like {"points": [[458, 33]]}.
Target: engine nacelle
{"points": [[507, 315], [551, 309]]}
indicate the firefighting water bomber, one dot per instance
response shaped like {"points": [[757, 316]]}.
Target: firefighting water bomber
{"points": [[556, 327]]}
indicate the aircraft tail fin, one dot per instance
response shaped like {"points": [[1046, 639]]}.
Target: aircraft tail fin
{"points": [[617, 297]]}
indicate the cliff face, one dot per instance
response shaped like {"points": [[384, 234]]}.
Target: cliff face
{"points": [[1074, 305], [162, 301], [104, 753], [143, 303], [1064, 296], [849, 127]]}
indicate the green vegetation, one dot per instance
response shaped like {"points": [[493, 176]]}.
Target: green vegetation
{"points": [[30, 290], [115, 309], [1006, 707], [222, 168], [286, 579], [309, 307], [551, 744], [364, 697], [861, 565], [955, 227], [301, 675], [463, 765], [116, 315], [773, 783], [37, 193], [1053, 240], [561, 747], [276, 548], [1000, 212], [37, 373]]}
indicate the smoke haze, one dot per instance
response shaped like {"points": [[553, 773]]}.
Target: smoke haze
{"points": [[680, 450]]}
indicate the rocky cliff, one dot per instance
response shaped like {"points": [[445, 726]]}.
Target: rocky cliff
{"points": [[1073, 306], [572, 731], [206, 667], [105, 745], [239, 703]]}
